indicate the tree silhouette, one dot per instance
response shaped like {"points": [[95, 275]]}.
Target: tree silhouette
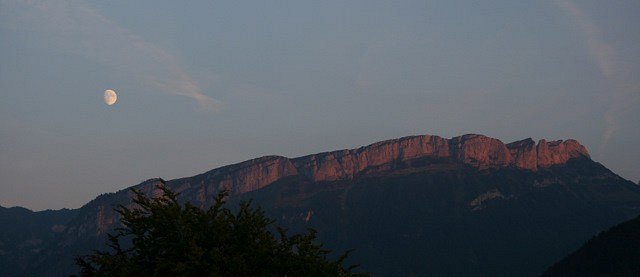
{"points": [[170, 239]]}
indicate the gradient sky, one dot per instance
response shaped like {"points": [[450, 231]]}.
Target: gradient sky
{"points": [[203, 84]]}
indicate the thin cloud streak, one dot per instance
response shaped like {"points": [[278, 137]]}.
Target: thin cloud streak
{"points": [[76, 27], [622, 90]]}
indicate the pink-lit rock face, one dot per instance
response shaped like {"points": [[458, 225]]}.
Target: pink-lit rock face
{"points": [[254, 174], [478, 151], [524, 154], [346, 164], [559, 152], [527, 155]]}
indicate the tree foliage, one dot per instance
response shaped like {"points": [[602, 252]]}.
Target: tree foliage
{"points": [[170, 239]]}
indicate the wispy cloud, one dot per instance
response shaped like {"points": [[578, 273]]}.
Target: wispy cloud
{"points": [[76, 27], [624, 91]]}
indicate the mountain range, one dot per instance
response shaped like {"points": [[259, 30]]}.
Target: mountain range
{"points": [[413, 206]]}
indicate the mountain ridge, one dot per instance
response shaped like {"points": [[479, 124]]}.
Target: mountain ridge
{"points": [[476, 150], [500, 204]]}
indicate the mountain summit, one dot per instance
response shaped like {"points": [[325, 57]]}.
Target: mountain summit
{"points": [[419, 205]]}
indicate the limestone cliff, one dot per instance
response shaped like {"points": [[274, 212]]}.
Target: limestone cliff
{"points": [[474, 150], [559, 152], [480, 151], [346, 164], [524, 154]]}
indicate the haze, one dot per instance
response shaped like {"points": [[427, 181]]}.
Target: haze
{"points": [[202, 84]]}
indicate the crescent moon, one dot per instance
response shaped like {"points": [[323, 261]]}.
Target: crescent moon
{"points": [[110, 97]]}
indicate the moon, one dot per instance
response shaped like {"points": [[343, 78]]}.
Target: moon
{"points": [[110, 97]]}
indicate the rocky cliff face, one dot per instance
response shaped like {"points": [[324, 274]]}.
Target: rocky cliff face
{"points": [[346, 164], [252, 174], [524, 154], [478, 151], [559, 152]]}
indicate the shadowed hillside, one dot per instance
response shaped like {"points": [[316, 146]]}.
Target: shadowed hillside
{"points": [[615, 252]]}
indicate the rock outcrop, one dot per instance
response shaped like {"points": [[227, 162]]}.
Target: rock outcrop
{"points": [[254, 174], [474, 150], [346, 164], [524, 154], [559, 152], [480, 151]]}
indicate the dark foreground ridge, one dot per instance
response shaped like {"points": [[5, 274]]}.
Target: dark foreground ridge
{"points": [[615, 252], [419, 205]]}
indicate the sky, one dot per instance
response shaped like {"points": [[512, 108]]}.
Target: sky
{"points": [[202, 84]]}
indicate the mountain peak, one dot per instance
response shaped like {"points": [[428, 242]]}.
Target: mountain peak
{"points": [[559, 152]]}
